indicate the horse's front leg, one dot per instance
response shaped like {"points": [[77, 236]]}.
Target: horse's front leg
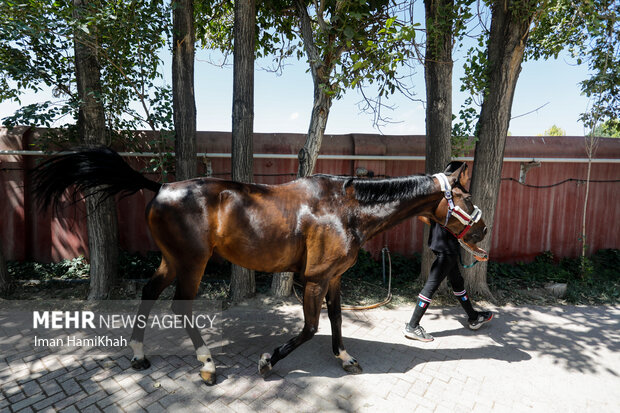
{"points": [[334, 312], [314, 293]]}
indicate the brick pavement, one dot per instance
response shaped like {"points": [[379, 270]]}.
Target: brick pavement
{"points": [[547, 359]]}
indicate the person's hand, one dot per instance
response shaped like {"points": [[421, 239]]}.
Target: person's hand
{"points": [[479, 258]]}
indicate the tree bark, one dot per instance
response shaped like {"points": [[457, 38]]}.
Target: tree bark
{"points": [[4, 275], [103, 246], [184, 104], [318, 121], [438, 78], [101, 214], [242, 281], [510, 24], [282, 284]]}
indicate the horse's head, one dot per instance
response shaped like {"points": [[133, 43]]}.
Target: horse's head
{"points": [[457, 213]]}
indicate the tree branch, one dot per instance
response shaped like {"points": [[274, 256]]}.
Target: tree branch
{"points": [[320, 9], [531, 111], [312, 51]]}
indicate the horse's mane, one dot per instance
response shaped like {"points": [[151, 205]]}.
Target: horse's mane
{"points": [[387, 190]]}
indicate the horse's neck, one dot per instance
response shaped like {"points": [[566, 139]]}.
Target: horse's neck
{"points": [[379, 217]]}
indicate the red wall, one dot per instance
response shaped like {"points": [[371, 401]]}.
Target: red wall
{"points": [[528, 220]]}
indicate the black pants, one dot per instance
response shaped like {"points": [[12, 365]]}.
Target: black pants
{"points": [[445, 265]]}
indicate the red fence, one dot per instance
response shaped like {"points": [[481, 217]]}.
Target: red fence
{"points": [[528, 220]]}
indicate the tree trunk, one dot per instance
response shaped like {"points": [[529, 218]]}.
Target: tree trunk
{"points": [[591, 144], [242, 282], [584, 245], [438, 78], [510, 23], [284, 286], [318, 121], [101, 214], [282, 283], [184, 105], [4, 275], [320, 68], [103, 245]]}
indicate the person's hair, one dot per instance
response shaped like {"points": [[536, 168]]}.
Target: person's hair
{"points": [[452, 166]]}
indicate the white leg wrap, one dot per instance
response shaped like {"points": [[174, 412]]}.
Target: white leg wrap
{"points": [[138, 349], [204, 356]]}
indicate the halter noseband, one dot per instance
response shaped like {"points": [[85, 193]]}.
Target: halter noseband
{"points": [[464, 217]]}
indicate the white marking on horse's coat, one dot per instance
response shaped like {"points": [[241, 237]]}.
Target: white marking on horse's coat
{"points": [[169, 194], [255, 223], [380, 210], [328, 220], [204, 356], [138, 349], [264, 362], [346, 358], [303, 211]]}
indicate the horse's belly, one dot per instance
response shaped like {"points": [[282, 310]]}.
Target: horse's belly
{"points": [[262, 256]]}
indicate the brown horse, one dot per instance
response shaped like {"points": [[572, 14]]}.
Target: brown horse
{"points": [[314, 226]]}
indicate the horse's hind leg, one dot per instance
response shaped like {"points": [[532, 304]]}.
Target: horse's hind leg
{"points": [[335, 317], [188, 283], [314, 293], [162, 278]]}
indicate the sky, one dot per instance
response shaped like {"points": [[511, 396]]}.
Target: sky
{"points": [[282, 103]]}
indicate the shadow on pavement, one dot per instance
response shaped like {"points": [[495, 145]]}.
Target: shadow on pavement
{"points": [[571, 336]]}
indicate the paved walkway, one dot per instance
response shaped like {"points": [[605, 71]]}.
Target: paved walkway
{"points": [[546, 359]]}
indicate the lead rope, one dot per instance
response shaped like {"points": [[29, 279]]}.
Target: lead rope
{"points": [[468, 265], [387, 299]]}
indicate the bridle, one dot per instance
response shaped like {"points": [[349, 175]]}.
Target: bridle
{"points": [[465, 218]]}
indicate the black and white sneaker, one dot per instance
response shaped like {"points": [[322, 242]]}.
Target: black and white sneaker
{"points": [[417, 333], [483, 318]]}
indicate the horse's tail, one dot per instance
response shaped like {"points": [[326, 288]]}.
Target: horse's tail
{"points": [[93, 170]]}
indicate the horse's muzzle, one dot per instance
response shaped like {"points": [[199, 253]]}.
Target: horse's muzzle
{"points": [[477, 236]]}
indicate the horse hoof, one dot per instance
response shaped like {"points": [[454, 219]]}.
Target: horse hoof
{"points": [[140, 364], [354, 368], [264, 364], [208, 378]]}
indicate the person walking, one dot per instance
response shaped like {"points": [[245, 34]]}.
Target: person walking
{"points": [[446, 248]]}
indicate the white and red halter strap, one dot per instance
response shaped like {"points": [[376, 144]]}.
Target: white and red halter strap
{"points": [[465, 218]]}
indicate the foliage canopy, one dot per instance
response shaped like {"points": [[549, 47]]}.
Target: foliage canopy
{"points": [[36, 52]]}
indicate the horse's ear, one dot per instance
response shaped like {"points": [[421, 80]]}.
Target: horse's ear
{"points": [[464, 177], [425, 220], [461, 175]]}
